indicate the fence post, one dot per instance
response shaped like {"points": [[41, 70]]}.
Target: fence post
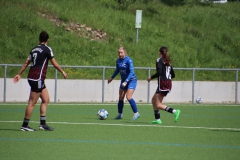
{"points": [[5, 84], [148, 89], [236, 88], [103, 81], [193, 84], [55, 87]]}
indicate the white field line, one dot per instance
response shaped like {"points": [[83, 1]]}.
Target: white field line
{"points": [[110, 104], [130, 125]]}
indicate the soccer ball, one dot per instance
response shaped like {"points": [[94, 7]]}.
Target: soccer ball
{"points": [[102, 114], [199, 100]]}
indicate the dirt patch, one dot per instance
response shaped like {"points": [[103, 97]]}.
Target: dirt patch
{"points": [[81, 30]]}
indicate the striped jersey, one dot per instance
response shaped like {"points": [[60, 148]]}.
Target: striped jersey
{"points": [[39, 56], [164, 72]]}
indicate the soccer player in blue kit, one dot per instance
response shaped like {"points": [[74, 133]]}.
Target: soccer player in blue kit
{"points": [[124, 66]]}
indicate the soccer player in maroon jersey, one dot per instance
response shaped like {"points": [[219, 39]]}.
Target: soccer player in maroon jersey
{"points": [[39, 57], [164, 74]]}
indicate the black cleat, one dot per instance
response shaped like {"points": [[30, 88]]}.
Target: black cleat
{"points": [[27, 128], [46, 128]]}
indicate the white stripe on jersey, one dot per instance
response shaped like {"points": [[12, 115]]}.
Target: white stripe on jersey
{"points": [[39, 84], [51, 51], [42, 68], [33, 79]]}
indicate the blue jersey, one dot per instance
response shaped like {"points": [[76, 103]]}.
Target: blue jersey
{"points": [[126, 69]]}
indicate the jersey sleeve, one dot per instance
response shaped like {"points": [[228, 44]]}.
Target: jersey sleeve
{"points": [[30, 57], [172, 72], [50, 54], [116, 71], [158, 68], [131, 68]]}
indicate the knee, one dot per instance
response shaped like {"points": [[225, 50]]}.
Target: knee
{"points": [[46, 101], [121, 98], [31, 103], [153, 101], [129, 97]]}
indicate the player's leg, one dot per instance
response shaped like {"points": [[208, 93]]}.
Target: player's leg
{"points": [[156, 110], [122, 93], [33, 97], [132, 104], [175, 112], [45, 100], [43, 110], [130, 90]]}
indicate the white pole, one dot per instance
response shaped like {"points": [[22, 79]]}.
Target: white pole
{"points": [[138, 22], [137, 36]]}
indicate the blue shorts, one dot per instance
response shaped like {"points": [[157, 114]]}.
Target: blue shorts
{"points": [[130, 85]]}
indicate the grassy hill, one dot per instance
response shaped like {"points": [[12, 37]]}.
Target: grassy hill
{"points": [[198, 35]]}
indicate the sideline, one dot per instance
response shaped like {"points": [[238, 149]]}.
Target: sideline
{"points": [[131, 125], [109, 104]]}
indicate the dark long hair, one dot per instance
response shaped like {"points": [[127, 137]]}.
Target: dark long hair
{"points": [[43, 36], [166, 58]]}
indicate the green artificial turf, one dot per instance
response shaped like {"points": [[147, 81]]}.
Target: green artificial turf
{"points": [[203, 132]]}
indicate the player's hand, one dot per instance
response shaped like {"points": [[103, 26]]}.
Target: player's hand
{"points": [[16, 78], [124, 84], [149, 79], [64, 74], [110, 80]]}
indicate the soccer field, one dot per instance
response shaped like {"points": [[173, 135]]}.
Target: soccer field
{"points": [[203, 132]]}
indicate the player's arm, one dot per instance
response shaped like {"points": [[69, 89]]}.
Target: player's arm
{"points": [[172, 73], [24, 66], [57, 66], [158, 73], [114, 74], [131, 68]]}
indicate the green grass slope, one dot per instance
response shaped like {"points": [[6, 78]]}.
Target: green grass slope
{"points": [[198, 35]]}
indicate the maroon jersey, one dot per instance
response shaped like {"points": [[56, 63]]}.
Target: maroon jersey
{"points": [[165, 74], [39, 56]]}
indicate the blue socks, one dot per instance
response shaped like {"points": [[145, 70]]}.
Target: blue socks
{"points": [[120, 106], [133, 105]]}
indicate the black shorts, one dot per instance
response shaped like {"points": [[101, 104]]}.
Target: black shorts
{"points": [[37, 86], [164, 93]]}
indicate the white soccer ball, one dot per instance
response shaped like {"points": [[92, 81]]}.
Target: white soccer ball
{"points": [[199, 100], [102, 114]]}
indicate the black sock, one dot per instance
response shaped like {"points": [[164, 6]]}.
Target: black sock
{"points": [[157, 114], [168, 109], [43, 120], [25, 122]]}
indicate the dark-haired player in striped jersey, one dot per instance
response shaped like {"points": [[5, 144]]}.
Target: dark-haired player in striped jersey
{"points": [[164, 74], [124, 66], [39, 57]]}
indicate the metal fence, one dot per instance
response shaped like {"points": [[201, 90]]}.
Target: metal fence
{"points": [[148, 69]]}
